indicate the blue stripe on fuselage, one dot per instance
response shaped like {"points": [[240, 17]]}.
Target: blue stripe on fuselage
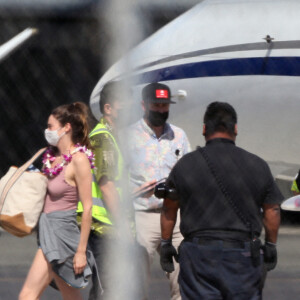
{"points": [[271, 66]]}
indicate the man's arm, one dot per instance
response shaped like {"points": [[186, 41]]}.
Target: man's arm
{"points": [[110, 197], [271, 220], [168, 221], [168, 218], [112, 202], [106, 163]]}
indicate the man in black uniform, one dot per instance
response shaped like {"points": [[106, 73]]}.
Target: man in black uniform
{"points": [[225, 195]]}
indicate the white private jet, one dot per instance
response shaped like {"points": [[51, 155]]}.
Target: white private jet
{"points": [[243, 52]]}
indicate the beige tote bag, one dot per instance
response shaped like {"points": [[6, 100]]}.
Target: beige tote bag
{"points": [[22, 196]]}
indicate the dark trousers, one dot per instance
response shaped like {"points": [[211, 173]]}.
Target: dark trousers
{"points": [[118, 268], [216, 271], [100, 246]]}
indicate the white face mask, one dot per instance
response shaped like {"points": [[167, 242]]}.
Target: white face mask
{"points": [[52, 136]]}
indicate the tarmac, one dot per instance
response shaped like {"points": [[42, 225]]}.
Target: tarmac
{"points": [[16, 255]]}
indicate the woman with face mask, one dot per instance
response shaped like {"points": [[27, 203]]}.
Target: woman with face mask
{"points": [[62, 255]]}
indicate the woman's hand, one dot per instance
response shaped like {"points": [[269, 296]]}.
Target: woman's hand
{"points": [[79, 262]]}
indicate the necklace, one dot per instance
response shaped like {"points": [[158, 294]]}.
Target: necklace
{"points": [[49, 157]]}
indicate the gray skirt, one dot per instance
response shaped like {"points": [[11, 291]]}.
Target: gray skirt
{"points": [[58, 236]]}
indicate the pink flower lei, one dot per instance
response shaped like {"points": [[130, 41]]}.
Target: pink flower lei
{"points": [[49, 157]]}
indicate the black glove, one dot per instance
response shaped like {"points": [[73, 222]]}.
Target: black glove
{"points": [[167, 252], [270, 255]]}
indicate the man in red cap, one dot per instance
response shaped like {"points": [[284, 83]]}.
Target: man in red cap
{"points": [[154, 146]]}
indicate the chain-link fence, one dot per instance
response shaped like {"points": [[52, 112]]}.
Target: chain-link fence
{"points": [[61, 64]]}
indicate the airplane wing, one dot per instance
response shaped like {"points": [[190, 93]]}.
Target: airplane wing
{"points": [[13, 44]]}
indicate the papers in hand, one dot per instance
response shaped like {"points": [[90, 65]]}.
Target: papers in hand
{"points": [[143, 190]]}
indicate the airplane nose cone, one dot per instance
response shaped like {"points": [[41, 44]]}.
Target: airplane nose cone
{"points": [[291, 204]]}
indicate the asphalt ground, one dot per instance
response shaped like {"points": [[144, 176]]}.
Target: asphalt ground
{"points": [[16, 255]]}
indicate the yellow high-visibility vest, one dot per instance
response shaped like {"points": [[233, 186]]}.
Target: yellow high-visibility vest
{"points": [[99, 212]]}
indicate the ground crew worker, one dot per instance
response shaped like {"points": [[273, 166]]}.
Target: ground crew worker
{"points": [[105, 190], [296, 184], [220, 190]]}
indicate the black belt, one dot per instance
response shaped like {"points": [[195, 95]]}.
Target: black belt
{"points": [[217, 242], [224, 235]]}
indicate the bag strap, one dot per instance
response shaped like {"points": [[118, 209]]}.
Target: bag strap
{"points": [[16, 175], [225, 192]]}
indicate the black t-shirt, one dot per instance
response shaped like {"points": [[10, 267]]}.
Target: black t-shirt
{"points": [[203, 205]]}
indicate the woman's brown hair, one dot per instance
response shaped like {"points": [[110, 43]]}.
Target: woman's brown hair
{"points": [[78, 115]]}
